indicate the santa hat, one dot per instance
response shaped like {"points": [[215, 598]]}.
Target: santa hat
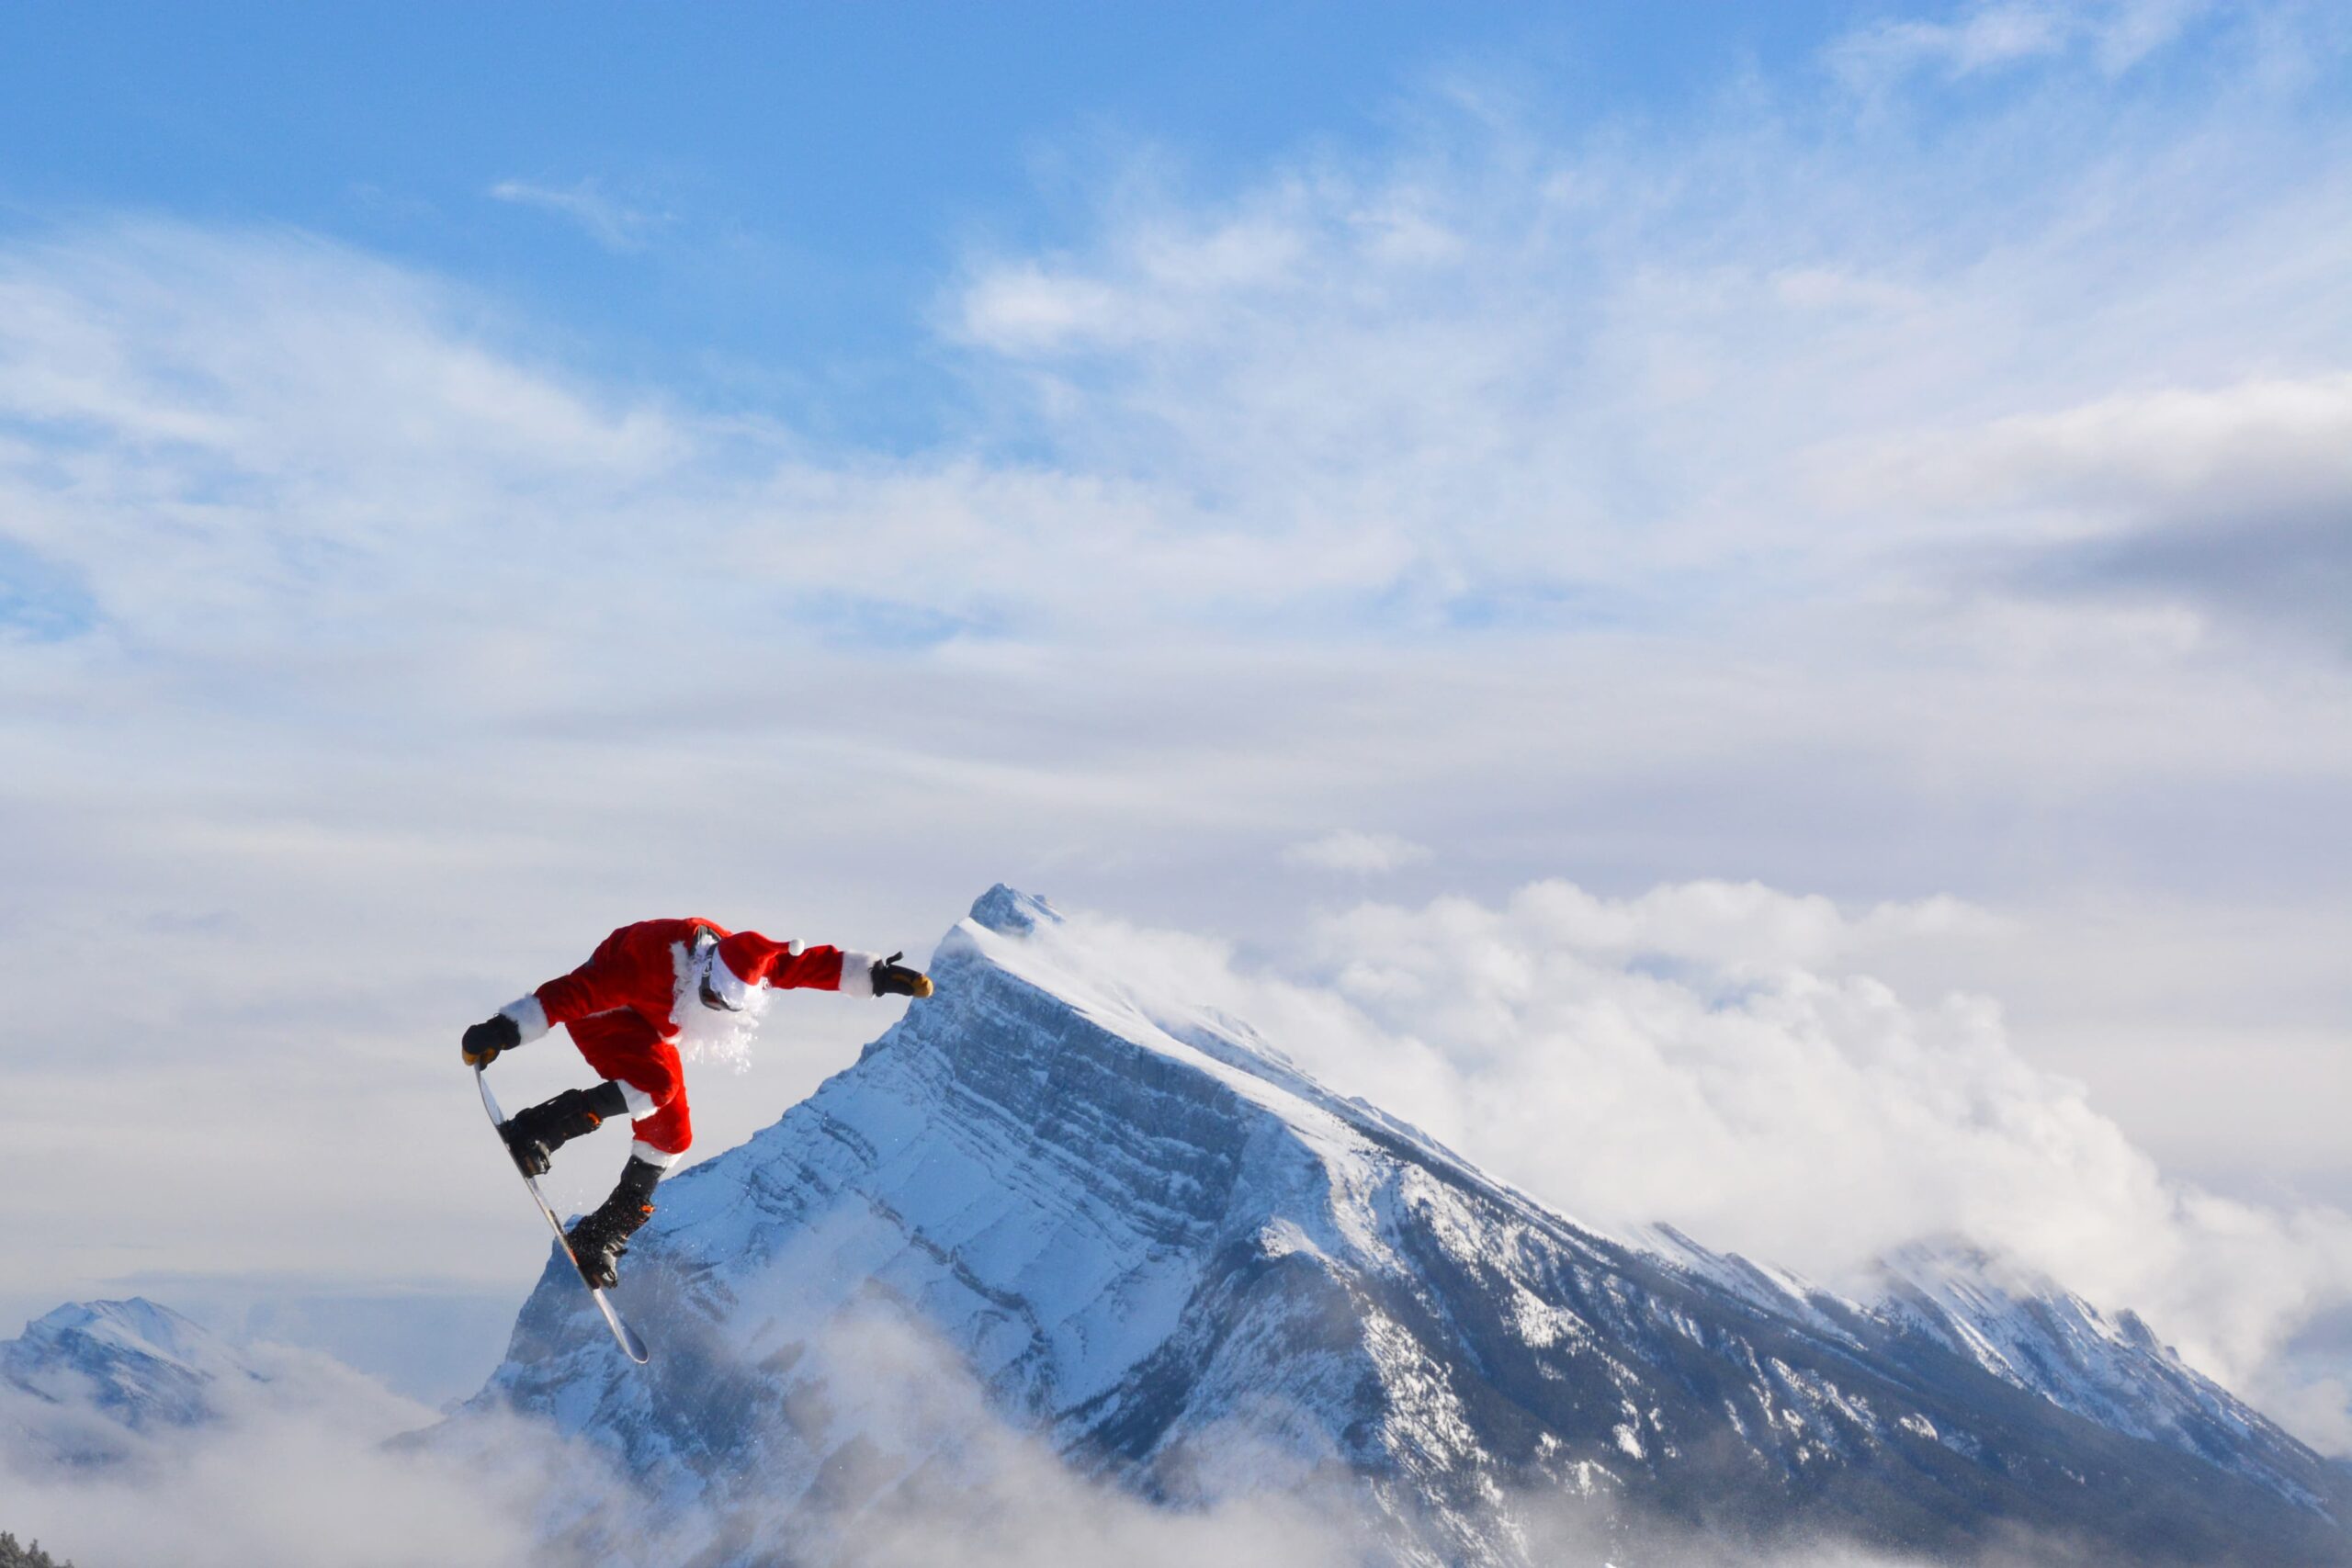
{"points": [[741, 965]]}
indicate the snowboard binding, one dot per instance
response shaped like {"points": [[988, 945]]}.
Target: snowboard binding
{"points": [[598, 1239], [535, 1134]]}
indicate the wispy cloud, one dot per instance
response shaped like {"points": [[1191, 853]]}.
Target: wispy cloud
{"points": [[611, 222], [1346, 849], [1991, 34]]}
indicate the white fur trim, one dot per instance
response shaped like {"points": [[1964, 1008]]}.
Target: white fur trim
{"points": [[640, 1103], [530, 1017], [642, 1150], [857, 972]]}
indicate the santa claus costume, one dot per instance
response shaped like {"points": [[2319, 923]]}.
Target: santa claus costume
{"points": [[628, 1008]]}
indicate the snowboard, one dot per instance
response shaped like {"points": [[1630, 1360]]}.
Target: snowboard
{"points": [[632, 1346]]}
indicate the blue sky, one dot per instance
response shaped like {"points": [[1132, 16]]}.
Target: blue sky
{"points": [[764, 201], [1294, 474]]}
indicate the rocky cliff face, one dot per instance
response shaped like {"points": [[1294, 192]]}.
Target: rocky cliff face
{"points": [[1130, 1227]]}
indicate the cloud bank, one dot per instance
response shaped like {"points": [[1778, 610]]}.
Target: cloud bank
{"points": [[293, 1472], [916, 1468]]}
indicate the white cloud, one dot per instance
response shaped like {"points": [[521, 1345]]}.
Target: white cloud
{"points": [[1028, 308], [1346, 849], [610, 222], [1024, 309], [2261, 444]]}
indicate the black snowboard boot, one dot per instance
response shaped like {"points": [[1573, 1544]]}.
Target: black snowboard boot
{"points": [[534, 1135], [599, 1239]]}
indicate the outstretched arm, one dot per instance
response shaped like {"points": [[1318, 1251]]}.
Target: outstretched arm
{"points": [[850, 972]]}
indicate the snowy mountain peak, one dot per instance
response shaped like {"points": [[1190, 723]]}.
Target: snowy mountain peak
{"points": [[1010, 911], [1130, 985], [136, 1326], [143, 1365]]}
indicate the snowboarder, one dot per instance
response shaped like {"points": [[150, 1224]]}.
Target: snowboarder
{"points": [[645, 988]]}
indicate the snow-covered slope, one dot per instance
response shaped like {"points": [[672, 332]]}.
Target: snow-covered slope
{"points": [[1142, 1235]]}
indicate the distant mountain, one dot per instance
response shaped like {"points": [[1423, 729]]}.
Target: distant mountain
{"points": [[91, 1375], [1194, 1272], [2025, 1330]]}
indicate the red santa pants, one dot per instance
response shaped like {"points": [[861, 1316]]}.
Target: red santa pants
{"points": [[624, 1047]]}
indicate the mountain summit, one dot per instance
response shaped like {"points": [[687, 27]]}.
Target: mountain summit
{"points": [[1051, 1202]]}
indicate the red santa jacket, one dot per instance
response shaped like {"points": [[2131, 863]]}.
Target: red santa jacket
{"points": [[641, 969]]}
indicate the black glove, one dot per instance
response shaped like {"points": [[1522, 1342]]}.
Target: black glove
{"points": [[485, 1040], [892, 978]]}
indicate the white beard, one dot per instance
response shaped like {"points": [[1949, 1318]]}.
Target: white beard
{"points": [[714, 1034]]}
